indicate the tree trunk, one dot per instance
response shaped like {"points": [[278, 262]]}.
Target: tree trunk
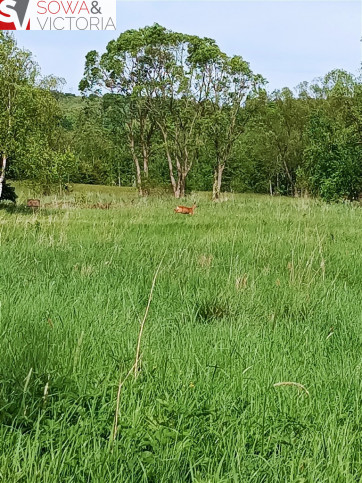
{"points": [[293, 190], [145, 156], [175, 186], [138, 178], [216, 189], [145, 161], [2, 174], [181, 186], [137, 165]]}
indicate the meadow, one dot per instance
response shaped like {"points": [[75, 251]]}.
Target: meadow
{"points": [[251, 292]]}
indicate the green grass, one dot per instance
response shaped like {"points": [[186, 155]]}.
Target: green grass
{"points": [[251, 292]]}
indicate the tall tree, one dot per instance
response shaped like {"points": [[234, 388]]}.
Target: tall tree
{"points": [[18, 72], [30, 137], [122, 69], [229, 83], [155, 70]]}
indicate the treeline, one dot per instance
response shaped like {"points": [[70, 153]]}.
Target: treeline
{"points": [[164, 110]]}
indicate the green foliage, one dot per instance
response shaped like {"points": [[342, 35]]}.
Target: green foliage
{"points": [[170, 111], [333, 150], [334, 163], [186, 111], [18, 74], [29, 119], [176, 89]]}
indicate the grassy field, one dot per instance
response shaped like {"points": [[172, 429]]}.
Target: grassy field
{"points": [[251, 292]]}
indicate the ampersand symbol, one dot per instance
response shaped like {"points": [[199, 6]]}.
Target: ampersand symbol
{"points": [[95, 9]]}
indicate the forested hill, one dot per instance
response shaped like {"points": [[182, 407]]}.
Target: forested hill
{"points": [[175, 113]]}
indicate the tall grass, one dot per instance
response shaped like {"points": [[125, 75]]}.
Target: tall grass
{"points": [[251, 293]]}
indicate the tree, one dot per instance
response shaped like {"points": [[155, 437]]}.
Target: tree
{"points": [[179, 91], [92, 143], [122, 69], [230, 82], [17, 76], [30, 137], [333, 149], [285, 122], [158, 73]]}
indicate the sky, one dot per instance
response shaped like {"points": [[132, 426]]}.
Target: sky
{"points": [[286, 41]]}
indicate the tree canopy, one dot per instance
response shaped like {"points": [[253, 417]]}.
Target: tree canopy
{"points": [[167, 110]]}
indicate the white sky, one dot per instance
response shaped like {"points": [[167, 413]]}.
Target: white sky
{"points": [[285, 41]]}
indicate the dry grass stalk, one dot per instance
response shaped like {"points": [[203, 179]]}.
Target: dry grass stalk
{"points": [[135, 367], [27, 380], [323, 262], [205, 260], [295, 384], [241, 282], [120, 385], [136, 364], [291, 271], [45, 395]]}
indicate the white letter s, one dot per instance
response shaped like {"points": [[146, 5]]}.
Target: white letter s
{"points": [[7, 7]]}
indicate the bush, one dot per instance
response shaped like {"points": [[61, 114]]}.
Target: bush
{"points": [[333, 159]]}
